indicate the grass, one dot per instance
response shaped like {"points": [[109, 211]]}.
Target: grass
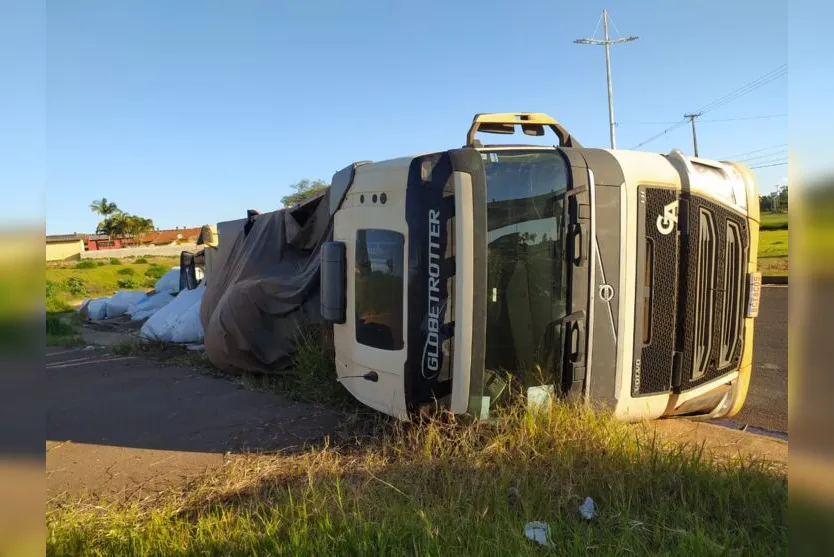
{"points": [[156, 272], [445, 487], [773, 244], [312, 376], [773, 252], [774, 221], [61, 330], [68, 284], [86, 264]]}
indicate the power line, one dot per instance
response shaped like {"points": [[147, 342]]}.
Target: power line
{"points": [[721, 101], [769, 165], [667, 123], [774, 160], [768, 117], [661, 134], [780, 153], [758, 150], [745, 89]]}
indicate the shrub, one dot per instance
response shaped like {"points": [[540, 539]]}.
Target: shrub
{"points": [[140, 260], [101, 263], [115, 261], [127, 284], [51, 289], [86, 264], [127, 271], [156, 272], [75, 286]]}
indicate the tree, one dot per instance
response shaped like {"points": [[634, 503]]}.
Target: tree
{"points": [[124, 225], [103, 207], [304, 191], [118, 223], [765, 204]]}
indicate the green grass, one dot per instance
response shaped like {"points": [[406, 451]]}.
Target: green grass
{"points": [[444, 487], [774, 221], [61, 330], [86, 264], [440, 487], [67, 284], [156, 272], [312, 375], [127, 284], [773, 249], [773, 243]]}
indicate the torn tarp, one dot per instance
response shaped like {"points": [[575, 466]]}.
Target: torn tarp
{"points": [[267, 288]]}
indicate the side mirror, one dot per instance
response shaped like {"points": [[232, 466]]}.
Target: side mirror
{"points": [[334, 282]]}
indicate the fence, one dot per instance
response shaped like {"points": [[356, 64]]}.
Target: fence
{"points": [[140, 251]]}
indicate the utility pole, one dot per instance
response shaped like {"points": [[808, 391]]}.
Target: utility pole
{"points": [[694, 136], [607, 42]]}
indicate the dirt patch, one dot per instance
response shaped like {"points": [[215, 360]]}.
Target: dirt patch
{"points": [[723, 442], [773, 266]]}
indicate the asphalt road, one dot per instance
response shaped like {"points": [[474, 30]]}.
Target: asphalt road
{"points": [[767, 400], [118, 425]]}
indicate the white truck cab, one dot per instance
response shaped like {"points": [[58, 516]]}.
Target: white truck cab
{"points": [[622, 278]]}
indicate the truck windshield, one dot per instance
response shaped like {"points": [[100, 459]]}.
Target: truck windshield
{"points": [[526, 287]]}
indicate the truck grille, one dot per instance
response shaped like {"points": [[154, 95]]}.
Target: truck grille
{"points": [[696, 324], [658, 297], [704, 293]]}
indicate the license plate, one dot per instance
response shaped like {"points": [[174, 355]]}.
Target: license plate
{"points": [[755, 294]]}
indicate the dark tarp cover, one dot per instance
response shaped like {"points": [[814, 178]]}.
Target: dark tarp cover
{"points": [[253, 307]]}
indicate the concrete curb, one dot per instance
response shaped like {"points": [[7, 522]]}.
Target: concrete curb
{"points": [[775, 280]]}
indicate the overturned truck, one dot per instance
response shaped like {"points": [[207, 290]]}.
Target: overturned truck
{"points": [[456, 278]]}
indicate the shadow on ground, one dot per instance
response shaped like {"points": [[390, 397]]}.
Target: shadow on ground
{"points": [[97, 397]]}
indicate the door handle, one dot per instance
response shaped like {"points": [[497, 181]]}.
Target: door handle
{"points": [[577, 245]]}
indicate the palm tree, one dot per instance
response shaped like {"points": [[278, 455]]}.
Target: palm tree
{"points": [[103, 207]]}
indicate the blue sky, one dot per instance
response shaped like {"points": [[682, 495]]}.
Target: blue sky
{"points": [[190, 112]]}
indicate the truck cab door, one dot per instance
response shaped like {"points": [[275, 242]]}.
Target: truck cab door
{"points": [[580, 238]]}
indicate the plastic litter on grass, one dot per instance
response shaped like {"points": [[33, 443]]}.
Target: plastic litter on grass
{"points": [[538, 532], [587, 509]]}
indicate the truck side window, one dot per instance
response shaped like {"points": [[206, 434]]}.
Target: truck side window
{"points": [[379, 288]]}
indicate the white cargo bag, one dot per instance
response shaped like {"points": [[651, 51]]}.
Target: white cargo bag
{"points": [[149, 305], [121, 301], [169, 282], [178, 321], [96, 309]]}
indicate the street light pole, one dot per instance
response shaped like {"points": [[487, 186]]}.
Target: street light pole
{"points": [[611, 122], [607, 42]]}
